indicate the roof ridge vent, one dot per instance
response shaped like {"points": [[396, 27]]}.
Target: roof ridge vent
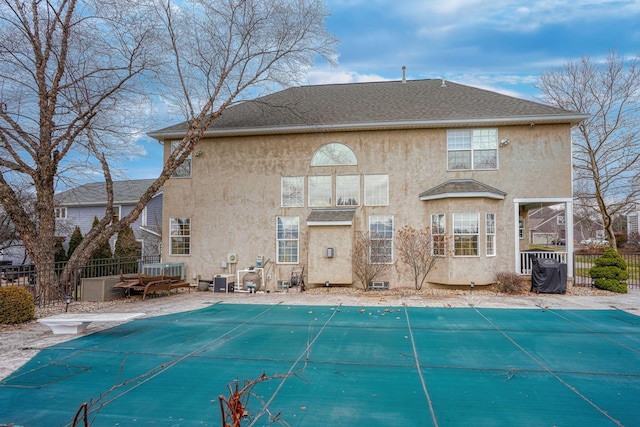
{"points": [[444, 83], [404, 74]]}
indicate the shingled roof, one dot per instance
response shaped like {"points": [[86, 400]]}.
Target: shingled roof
{"points": [[456, 188], [331, 216], [94, 193], [390, 104]]}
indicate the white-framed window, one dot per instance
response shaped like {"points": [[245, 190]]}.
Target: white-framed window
{"points": [[632, 223], [348, 190], [288, 240], [376, 190], [472, 149], [184, 170], [521, 228], [292, 190], [490, 228], [143, 217], [438, 232], [180, 236], [60, 213], [334, 154], [117, 210], [381, 237], [320, 190], [466, 229]]}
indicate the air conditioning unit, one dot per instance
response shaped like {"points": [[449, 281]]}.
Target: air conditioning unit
{"points": [[232, 258], [379, 285]]}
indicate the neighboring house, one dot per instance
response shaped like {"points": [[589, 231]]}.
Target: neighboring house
{"points": [[547, 226], [80, 205], [288, 179]]}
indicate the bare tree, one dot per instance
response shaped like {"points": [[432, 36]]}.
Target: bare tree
{"points": [[415, 248], [369, 258], [67, 66], [606, 148]]}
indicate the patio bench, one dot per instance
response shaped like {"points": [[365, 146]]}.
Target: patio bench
{"points": [[165, 283], [74, 323]]}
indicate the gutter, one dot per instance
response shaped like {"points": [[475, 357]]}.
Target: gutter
{"points": [[573, 119]]}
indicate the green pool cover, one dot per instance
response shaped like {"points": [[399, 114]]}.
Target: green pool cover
{"points": [[341, 366]]}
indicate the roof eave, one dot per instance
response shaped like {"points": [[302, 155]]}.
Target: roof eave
{"points": [[572, 119]]}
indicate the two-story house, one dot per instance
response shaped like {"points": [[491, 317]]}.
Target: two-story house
{"points": [[286, 180], [80, 205]]}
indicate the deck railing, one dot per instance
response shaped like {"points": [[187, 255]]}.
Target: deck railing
{"points": [[582, 262], [527, 257], [48, 287]]}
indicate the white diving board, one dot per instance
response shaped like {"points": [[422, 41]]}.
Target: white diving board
{"points": [[74, 323]]}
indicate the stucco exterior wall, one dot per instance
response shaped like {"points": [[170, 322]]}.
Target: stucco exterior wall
{"points": [[233, 196]]}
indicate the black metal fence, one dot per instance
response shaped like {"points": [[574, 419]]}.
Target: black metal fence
{"points": [[582, 262], [50, 284]]}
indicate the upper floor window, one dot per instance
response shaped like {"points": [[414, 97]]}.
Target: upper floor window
{"points": [[180, 236], [632, 223], [292, 190], [184, 170], [376, 190], [320, 190], [472, 149], [143, 217], [116, 214], [348, 190], [60, 213], [334, 154], [466, 230]]}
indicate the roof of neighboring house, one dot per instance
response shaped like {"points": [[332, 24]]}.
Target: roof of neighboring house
{"points": [[379, 105], [454, 188], [94, 193]]}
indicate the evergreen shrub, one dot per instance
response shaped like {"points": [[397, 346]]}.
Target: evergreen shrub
{"points": [[16, 305]]}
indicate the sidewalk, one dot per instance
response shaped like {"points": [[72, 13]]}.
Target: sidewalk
{"points": [[20, 343]]}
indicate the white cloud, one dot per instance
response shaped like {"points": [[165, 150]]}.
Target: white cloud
{"points": [[327, 75]]}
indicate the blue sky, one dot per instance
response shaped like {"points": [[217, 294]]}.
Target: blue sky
{"points": [[498, 45]]}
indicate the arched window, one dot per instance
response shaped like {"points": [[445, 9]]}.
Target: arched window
{"points": [[334, 154]]}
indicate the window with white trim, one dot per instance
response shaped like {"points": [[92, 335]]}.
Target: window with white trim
{"points": [[60, 213], [320, 189], [143, 217], [180, 236], [521, 228], [287, 238], [334, 154], [490, 228], [347, 190], [381, 237], [116, 214], [632, 223], [184, 170], [376, 190], [472, 149], [438, 231], [466, 229], [292, 190]]}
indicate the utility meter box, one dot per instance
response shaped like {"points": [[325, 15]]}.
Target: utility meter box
{"points": [[259, 261]]}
